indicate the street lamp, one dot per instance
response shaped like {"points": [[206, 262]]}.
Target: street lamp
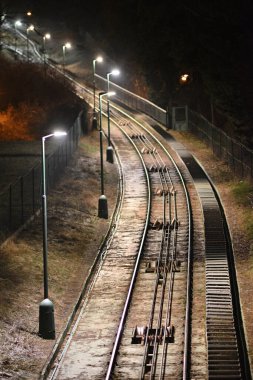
{"points": [[98, 59], [46, 36], [67, 45], [30, 28], [16, 24], [46, 310], [109, 150], [184, 78], [102, 202]]}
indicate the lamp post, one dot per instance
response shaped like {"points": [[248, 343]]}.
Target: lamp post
{"points": [[46, 36], [67, 45], [98, 59], [102, 202], [109, 150], [16, 24], [30, 28], [46, 310], [94, 122]]}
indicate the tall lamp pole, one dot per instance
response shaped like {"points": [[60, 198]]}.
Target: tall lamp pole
{"points": [[30, 28], [109, 150], [47, 36], [67, 45], [98, 59], [46, 309], [102, 202], [94, 122], [16, 24]]}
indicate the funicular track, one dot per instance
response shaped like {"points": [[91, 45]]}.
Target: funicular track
{"points": [[162, 279], [144, 274], [155, 351], [226, 351]]}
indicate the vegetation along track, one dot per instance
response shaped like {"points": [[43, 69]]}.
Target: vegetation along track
{"points": [[137, 321]]}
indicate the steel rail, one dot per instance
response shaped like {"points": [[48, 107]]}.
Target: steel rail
{"points": [[187, 333], [135, 271]]}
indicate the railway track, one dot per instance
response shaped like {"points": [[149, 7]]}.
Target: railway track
{"points": [[138, 321], [155, 323], [141, 289]]}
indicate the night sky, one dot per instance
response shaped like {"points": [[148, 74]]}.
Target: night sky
{"points": [[160, 40]]}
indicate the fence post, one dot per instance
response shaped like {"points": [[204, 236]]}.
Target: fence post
{"points": [[10, 206], [33, 190], [251, 165], [22, 198], [242, 163]]}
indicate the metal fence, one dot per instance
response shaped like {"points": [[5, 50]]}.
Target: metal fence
{"points": [[134, 101], [22, 199], [239, 157]]}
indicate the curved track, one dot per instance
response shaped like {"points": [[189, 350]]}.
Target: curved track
{"points": [[153, 241], [144, 276], [141, 325]]}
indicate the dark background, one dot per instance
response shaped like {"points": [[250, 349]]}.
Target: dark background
{"points": [[157, 41]]}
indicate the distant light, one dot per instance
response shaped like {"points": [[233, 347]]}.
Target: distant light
{"points": [[31, 27], [18, 23], [111, 93], [184, 77], [29, 13], [67, 45], [115, 72], [59, 133], [47, 36], [99, 59]]}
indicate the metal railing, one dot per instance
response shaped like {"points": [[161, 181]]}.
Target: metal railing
{"points": [[20, 201], [238, 156], [134, 101]]}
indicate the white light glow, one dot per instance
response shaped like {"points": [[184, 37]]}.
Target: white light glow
{"points": [[115, 72], [59, 133], [111, 93]]}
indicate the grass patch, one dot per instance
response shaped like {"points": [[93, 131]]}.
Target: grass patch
{"points": [[243, 195], [190, 138], [90, 147]]}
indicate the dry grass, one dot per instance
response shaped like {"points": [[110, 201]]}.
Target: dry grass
{"points": [[74, 235]]}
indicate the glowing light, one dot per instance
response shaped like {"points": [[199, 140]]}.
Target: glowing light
{"points": [[110, 93], [59, 133], [184, 77], [31, 27], [18, 23], [67, 45], [115, 72]]}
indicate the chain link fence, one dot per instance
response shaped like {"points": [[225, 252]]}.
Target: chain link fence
{"points": [[22, 199], [239, 157]]}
